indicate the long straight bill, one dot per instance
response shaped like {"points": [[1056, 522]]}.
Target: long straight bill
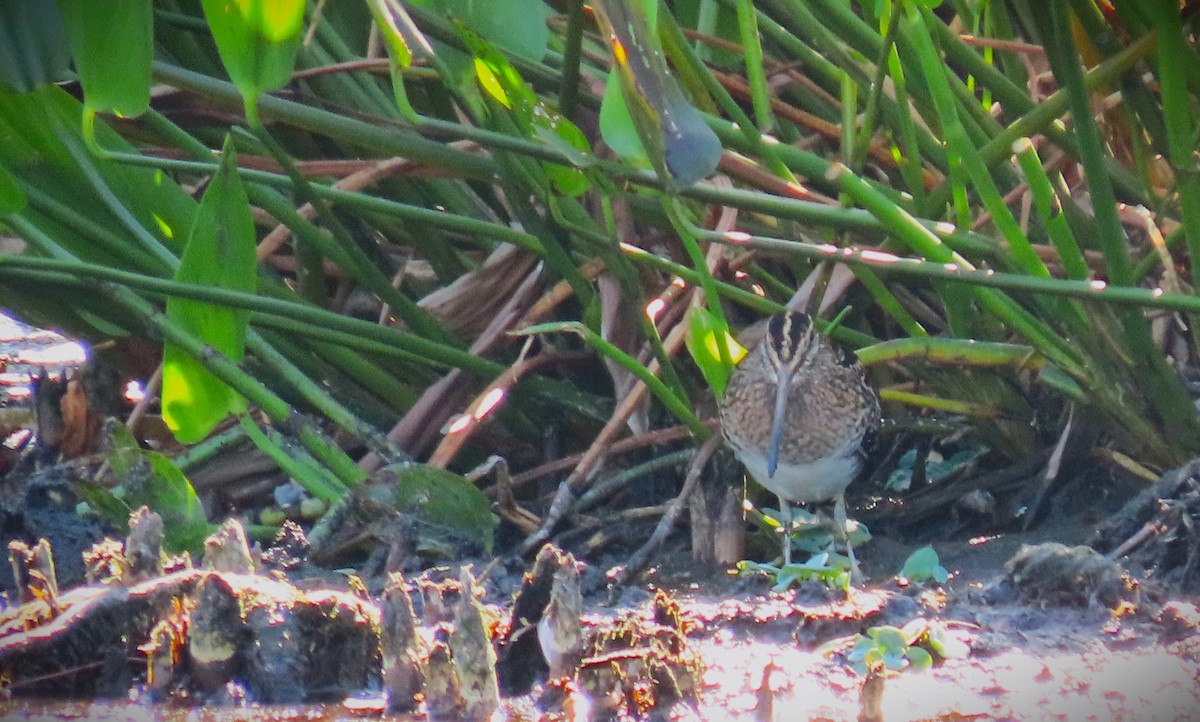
{"points": [[780, 413]]}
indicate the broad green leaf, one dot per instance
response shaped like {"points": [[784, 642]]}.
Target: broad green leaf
{"points": [[447, 500], [565, 137], [257, 41], [149, 479], [194, 401], [924, 564], [220, 253], [44, 150], [490, 83], [892, 645], [113, 45], [680, 146], [125, 454], [705, 332], [12, 198], [33, 45], [887, 646], [104, 504], [920, 659], [169, 493], [536, 119], [518, 26], [711, 18], [616, 124]]}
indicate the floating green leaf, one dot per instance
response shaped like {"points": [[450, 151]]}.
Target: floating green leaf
{"points": [[891, 644], [920, 659], [219, 253], [888, 647]]}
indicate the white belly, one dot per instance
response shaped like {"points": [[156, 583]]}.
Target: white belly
{"points": [[807, 482]]}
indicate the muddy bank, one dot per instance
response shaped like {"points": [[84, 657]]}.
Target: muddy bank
{"points": [[1060, 633]]}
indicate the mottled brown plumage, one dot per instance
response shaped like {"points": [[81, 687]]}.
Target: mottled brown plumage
{"points": [[797, 413]]}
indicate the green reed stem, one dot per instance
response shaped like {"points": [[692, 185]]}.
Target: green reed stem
{"points": [[676, 405], [1049, 207], [1177, 63], [756, 76]]}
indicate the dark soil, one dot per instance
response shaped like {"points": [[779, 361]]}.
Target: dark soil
{"points": [[1047, 638]]}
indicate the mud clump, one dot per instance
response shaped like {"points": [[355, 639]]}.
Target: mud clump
{"points": [[1054, 574]]}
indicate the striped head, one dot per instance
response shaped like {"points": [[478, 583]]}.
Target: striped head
{"points": [[790, 346]]}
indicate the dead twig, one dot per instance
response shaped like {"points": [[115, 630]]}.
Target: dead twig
{"points": [[569, 490], [1149, 530], [507, 506], [633, 443], [606, 529], [422, 422], [641, 557], [370, 175]]}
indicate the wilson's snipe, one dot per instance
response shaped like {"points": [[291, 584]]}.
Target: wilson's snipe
{"points": [[796, 413]]}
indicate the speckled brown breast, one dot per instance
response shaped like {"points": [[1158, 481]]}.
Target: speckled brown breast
{"points": [[831, 411]]}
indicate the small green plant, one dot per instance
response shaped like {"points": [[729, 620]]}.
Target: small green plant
{"points": [[832, 570], [936, 466], [150, 479], [887, 646], [812, 534], [911, 647], [923, 564]]}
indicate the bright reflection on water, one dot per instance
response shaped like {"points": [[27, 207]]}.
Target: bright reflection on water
{"points": [[25, 350]]}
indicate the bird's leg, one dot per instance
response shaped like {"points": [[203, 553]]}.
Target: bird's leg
{"points": [[785, 519], [839, 518]]}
